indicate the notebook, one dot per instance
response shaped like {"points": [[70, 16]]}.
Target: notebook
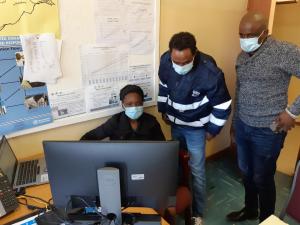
{"points": [[273, 220], [21, 173]]}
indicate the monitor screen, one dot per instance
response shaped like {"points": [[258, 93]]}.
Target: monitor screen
{"points": [[8, 161], [148, 170]]}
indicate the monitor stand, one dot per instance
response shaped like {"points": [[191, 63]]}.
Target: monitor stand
{"points": [[110, 199], [110, 193]]}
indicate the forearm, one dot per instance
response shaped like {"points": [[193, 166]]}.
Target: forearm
{"points": [[98, 133], [91, 135], [218, 119], [158, 134]]}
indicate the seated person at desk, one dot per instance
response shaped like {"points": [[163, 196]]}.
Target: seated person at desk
{"points": [[132, 123]]}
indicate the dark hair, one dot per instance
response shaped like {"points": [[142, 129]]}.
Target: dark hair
{"points": [[183, 40], [131, 89]]}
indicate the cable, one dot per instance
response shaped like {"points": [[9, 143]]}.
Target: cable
{"points": [[58, 216], [67, 206], [38, 198], [45, 221], [48, 206], [110, 216], [22, 199], [86, 204], [43, 203], [128, 218], [49, 201], [29, 206]]}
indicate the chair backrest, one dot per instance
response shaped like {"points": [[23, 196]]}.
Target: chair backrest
{"points": [[293, 204], [184, 167]]}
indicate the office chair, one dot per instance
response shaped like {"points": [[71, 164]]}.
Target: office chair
{"points": [[292, 207], [183, 194]]}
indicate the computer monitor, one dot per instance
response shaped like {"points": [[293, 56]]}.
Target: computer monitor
{"points": [[148, 170]]}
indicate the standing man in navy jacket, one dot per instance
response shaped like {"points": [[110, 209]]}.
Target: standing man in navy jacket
{"points": [[194, 100]]}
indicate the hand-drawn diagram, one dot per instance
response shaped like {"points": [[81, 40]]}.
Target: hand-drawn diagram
{"points": [[14, 14]]}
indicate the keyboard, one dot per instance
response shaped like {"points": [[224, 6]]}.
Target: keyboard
{"points": [[8, 201], [27, 172]]}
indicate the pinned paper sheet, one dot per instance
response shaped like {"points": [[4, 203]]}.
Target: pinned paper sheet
{"points": [[42, 60], [67, 103]]}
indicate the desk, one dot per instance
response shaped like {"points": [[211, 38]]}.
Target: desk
{"points": [[44, 192]]}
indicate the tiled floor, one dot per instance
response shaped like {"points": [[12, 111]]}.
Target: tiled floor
{"points": [[225, 192]]}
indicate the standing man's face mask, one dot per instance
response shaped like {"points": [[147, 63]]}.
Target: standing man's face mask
{"points": [[250, 44], [182, 70], [134, 112]]}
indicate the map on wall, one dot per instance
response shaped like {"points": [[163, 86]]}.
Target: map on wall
{"points": [[28, 16]]}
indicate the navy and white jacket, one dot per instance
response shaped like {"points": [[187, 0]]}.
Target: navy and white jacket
{"points": [[199, 99]]}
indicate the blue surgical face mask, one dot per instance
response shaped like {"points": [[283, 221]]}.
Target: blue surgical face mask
{"points": [[134, 112], [182, 70], [250, 44]]}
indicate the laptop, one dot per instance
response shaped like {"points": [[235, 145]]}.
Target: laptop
{"points": [[21, 173]]}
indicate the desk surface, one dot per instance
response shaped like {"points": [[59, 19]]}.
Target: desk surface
{"points": [[44, 192]]}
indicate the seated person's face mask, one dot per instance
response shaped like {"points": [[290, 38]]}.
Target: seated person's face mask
{"points": [[134, 112], [133, 105]]}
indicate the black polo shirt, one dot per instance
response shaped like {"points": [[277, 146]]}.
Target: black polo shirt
{"points": [[118, 128]]}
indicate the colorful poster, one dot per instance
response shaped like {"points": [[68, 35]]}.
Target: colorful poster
{"points": [[23, 104], [29, 16]]}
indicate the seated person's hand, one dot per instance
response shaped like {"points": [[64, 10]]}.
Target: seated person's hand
{"points": [[165, 118], [209, 136]]}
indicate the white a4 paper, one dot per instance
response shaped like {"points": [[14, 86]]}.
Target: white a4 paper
{"points": [[41, 58]]}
